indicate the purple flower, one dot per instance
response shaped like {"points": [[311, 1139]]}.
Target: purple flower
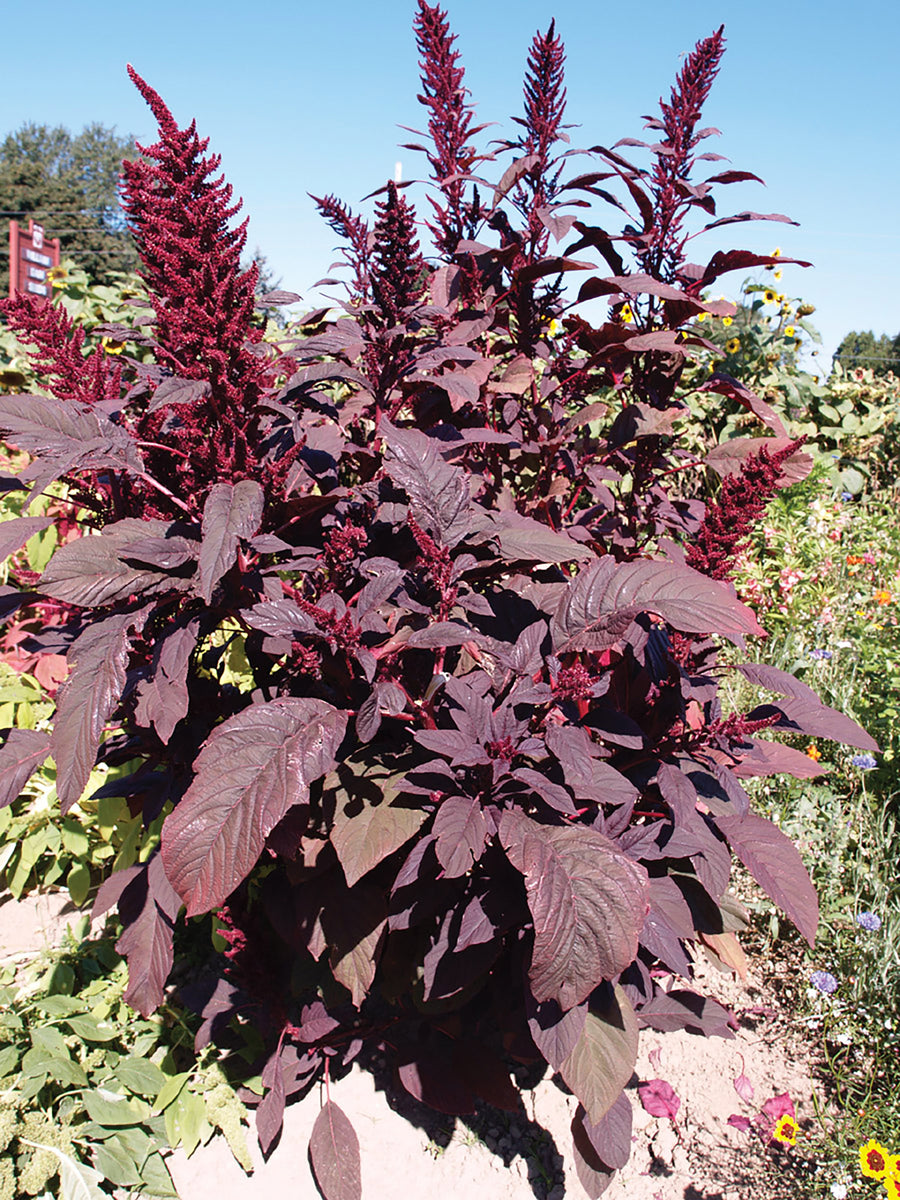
{"points": [[824, 981], [869, 920], [864, 761], [826, 654]]}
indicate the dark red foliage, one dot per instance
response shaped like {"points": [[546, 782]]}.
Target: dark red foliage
{"points": [[398, 269], [732, 516], [399, 628], [451, 156], [58, 357]]}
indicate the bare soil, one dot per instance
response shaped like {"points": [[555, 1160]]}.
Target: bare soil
{"points": [[412, 1153]]}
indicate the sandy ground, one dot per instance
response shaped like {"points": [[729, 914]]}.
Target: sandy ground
{"points": [[414, 1154]]}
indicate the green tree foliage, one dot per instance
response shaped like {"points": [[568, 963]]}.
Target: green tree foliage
{"points": [[877, 354], [70, 184]]}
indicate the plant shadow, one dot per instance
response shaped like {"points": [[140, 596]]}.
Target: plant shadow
{"points": [[507, 1135]]}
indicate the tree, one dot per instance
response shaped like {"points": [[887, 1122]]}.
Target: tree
{"points": [[879, 355], [69, 184]]}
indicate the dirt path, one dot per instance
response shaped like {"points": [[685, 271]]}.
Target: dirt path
{"points": [[414, 1154]]}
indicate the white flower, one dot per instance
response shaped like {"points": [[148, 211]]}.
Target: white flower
{"points": [[839, 1190]]}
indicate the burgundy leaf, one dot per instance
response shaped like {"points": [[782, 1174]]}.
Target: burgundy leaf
{"points": [[23, 752], [87, 700], [112, 888], [279, 618], [148, 907], [550, 266], [370, 824], [443, 633], [604, 1056], [593, 1174], [610, 1137], [513, 173], [15, 533], [430, 1078], [250, 771], [587, 900], [163, 698], [460, 831], [754, 216], [659, 1099], [813, 717], [525, 657], [165, 553], [66, 431], [744, 1088], [600, 603], [726, 386], [739, 260], [438, 492], [554, 1032], [178, 391], [771, 758], [734, 177], [353, 926], [231, 512], [775, 863], [776, 680], [739, 1122], [522, 539], [92, 572], [277, 297], [270, 1113], [635, 285], [680, 1009], [779, 1106], [551, 793]]}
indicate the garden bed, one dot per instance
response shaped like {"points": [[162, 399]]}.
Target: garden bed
{"points": [[411, 1150]]}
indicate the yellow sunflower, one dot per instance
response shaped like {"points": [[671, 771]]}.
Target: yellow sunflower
{"points": [[726, 321], [769, 297], [732, 345], [874, 1160], [789, 331], [626, 314], [111, 346]]}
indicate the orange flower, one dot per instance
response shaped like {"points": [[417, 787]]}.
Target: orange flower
{"points": [[813, 752], [853, 560], [883, 596], [786, 1130]]}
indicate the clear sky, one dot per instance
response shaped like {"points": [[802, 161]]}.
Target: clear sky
{"points": [[301, 97]]}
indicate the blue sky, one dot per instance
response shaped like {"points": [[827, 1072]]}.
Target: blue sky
{"points": [[307, 98]]}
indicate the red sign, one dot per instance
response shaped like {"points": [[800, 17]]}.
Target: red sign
{"points": [[31, 255]]}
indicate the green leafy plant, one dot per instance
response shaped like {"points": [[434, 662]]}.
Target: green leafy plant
{"points": [[90, 1094]]}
